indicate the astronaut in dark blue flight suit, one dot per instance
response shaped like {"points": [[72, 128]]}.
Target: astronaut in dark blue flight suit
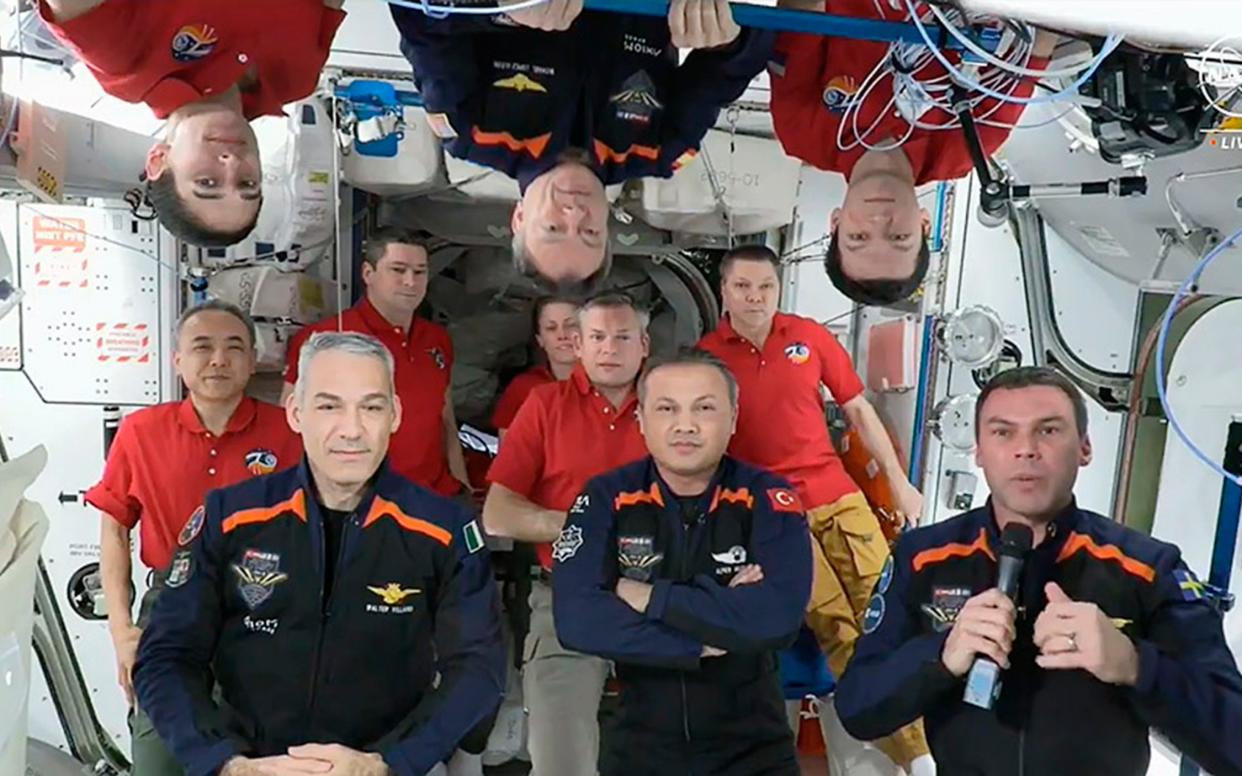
{"points": [[690, 570], [568, 102], [348, 616], [1111, 634]]}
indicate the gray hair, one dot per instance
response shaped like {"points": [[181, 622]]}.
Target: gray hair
{"points": [[524, 266], [219, 306], [343, 342], [688, 357], [615, 299]]}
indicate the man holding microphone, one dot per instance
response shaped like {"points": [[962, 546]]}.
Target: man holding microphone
{"points": [[1108, 633]]}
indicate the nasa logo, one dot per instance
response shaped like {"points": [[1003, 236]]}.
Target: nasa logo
{"points": [[193, 42], [1220, 75], [798, 353], [839, 93], [260, 462]]}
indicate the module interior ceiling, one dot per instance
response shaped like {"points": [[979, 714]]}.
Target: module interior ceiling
{"points": [[1121, 234]]}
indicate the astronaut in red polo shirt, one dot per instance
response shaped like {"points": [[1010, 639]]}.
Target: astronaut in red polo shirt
{"points": [[780, 362], [161, 464], [425, 448], [208, 67], [565, 434], [833, 106], [555, 322]]}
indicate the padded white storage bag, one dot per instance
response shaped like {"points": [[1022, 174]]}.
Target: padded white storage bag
{"points": [[760, 183], [23, 527]]}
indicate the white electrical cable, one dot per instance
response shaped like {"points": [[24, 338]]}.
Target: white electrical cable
{"points": [[986, 55], [1111, 43], [436, 9], [911, 60]]}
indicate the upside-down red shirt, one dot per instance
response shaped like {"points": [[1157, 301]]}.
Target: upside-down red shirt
{"points": [[815, 78], [167, 53]]}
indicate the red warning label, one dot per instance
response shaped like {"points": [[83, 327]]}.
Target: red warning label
{"points": [[60, 246], [57, 235], [123, 342]]}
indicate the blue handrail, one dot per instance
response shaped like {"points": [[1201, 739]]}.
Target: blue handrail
{"points": [[790, 20]]}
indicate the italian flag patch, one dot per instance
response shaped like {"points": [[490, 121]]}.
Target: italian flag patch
{"points": [[474, 537]]}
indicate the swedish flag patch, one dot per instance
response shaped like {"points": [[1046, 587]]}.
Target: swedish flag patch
{"points": [[1191, 588]]}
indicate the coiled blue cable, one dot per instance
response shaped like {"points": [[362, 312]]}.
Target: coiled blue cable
{"points": [[1162, 379]]}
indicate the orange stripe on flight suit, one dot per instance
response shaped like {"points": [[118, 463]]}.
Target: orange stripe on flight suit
{"points": [[535, 146], [939, 554], [650, 496], [381, 507], [605, 154], [740, 496], [1076, 543], [295, 504]]}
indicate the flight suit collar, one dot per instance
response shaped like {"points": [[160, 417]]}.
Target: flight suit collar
{"points": [[531, 170], [1058, 530], [707, 499], [379, 482]]}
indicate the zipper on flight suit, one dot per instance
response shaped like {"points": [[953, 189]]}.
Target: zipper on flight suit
{"points": [[690, 536], [681, 675], [325, 601]]}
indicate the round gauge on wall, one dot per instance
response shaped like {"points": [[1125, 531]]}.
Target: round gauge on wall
{"points": [[953, 422], [972, 336]]}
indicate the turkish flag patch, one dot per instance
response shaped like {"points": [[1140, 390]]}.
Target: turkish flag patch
{"points": [[785, 500]]}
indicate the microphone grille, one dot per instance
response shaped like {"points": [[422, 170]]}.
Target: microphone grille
{"points": [[1016, 539]]}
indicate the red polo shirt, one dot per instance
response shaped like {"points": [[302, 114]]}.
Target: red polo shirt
{"points": [[814, 78], [781, 424], [515, 394], [565, 434], [168, 53], [163, 462], [424, 364]]}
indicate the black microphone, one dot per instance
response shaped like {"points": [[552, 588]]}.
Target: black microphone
{"points": [[983, 683]]}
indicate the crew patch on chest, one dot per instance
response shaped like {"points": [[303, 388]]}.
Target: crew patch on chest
{"points": [[258, 574], [798, 353], [730, 561], [840, 93], [636, 102], [193, 42], [261, 461], [946, 603], [637, 557]]}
